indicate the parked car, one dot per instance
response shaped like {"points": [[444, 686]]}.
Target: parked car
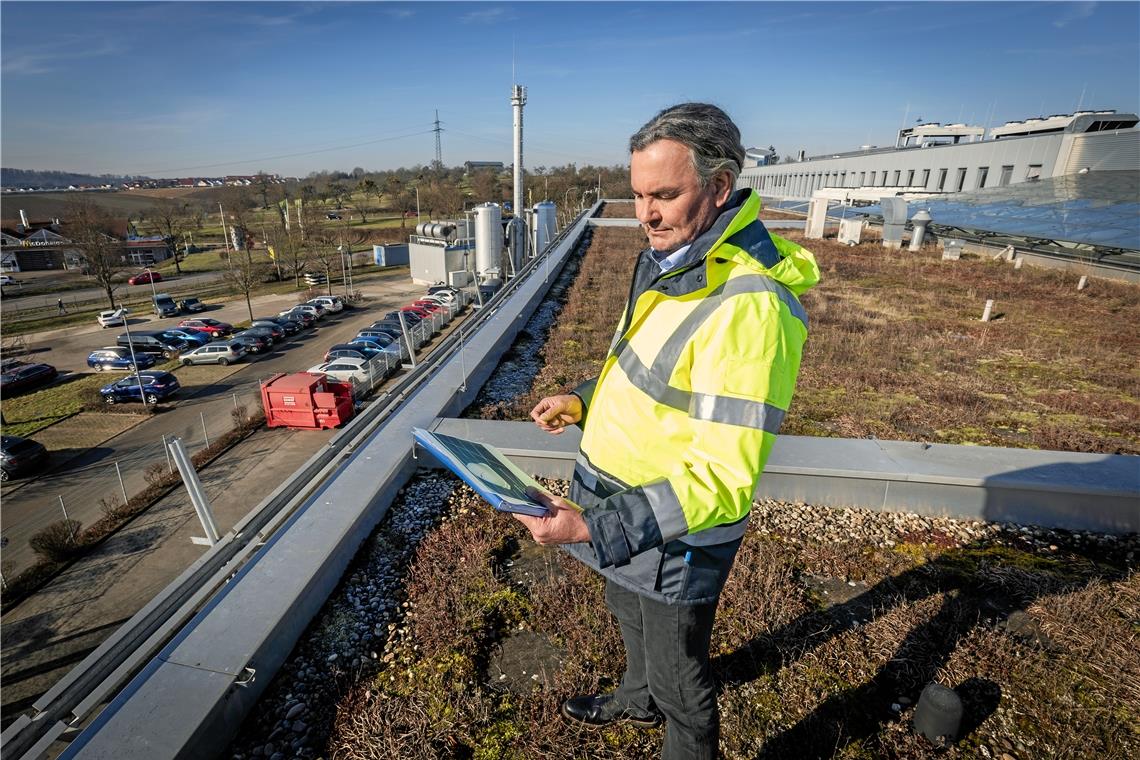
{"points": [[315, 309], [153, 342], [288, 326], [6, 280], [331, 303], [215, 353], [209, 336], [255, 344], [352, 351], [305, 318], [193, 338], [144, 278], [211, 326], [191, 305], [410, 317], [382, 336], [396, 347], [155, 387], [419, 312], [164, 305], [346, 369], [388, 326], [118, 357], [276, 330], [332, 216], [25, 377], [113, 317], [446, 292], [269, 333], [19, 456]]}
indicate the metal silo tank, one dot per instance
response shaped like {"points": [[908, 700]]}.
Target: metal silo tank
{"points": [[545, 225], [488, 237]]}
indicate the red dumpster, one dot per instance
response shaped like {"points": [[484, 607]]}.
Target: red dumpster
{"points": [[306, 400]]}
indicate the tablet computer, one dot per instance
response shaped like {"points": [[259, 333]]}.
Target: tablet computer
{"points": [[486, 470]]}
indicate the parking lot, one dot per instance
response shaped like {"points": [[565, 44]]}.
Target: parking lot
{"points": [[204, 404]]}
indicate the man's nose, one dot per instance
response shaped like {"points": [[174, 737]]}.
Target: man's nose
{"points": [[647, 211]]}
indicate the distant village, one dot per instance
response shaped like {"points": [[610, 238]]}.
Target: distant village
{"points": [[146, 183]]}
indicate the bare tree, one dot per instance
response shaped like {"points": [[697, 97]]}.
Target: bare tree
{"points": [[91, 232], [366, 188], [262, 181], [338, 191], [326, 251], [172, 219], [246, 273]]}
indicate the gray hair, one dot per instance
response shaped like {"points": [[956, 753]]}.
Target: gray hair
{"points": [[711, 137]]}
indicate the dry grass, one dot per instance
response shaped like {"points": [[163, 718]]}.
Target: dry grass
{"points": [[1040, 643], [897, 349]]}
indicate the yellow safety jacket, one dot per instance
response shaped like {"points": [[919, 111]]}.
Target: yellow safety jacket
{"points": [[679, 424]]}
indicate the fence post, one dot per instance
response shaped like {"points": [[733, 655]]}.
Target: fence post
{"points": [[235, 400], [169, 466], [204, 433], [67, 519], [197, 493], [122, 487]]}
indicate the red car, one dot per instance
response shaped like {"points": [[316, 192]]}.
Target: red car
{"points": [[143, 278], [211, 326], [421, 313], [429, 306]]}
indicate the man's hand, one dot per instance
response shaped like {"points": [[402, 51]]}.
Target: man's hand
{"points": [[554, 413], [563, 524]]}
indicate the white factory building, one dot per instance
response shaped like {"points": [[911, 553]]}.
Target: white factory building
{"points": [[932, 159]]}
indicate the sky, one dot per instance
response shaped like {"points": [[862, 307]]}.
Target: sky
{"points": [[182, 89]]}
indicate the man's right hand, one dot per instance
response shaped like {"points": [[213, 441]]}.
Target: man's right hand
{"points": [[554, 413]]}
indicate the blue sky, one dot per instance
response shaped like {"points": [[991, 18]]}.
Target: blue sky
{"points": [[201, 89]]}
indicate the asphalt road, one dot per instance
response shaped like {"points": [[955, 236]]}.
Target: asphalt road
{"points": [[13, 301], [30, 505]]}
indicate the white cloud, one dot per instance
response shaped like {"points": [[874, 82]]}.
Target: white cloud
{"points": [[486, 16], [1074, 12], [49, 56]]}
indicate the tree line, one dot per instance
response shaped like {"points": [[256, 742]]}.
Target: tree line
{"points": [[304, 238]]}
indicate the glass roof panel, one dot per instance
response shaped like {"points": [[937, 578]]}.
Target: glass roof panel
{"points": [[1099, 208]]}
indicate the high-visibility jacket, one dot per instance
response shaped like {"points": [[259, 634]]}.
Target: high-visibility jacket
{"points": [[678, 425]]}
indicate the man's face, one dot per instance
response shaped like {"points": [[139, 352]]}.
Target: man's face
{"points": [[671, 205]]}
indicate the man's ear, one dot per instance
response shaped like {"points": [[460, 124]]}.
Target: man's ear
{"points": [[723, 184]]}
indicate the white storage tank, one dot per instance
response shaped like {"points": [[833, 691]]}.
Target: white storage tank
{"points": [[545, 225], [488, 238]]}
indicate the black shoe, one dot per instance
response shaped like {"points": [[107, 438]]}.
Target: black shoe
{"points": [[601, 710]]}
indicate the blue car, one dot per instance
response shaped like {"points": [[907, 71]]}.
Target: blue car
{"points": [[156, 386], [193, 337], [118, 357]]}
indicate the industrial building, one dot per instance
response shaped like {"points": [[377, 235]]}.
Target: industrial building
{"points": [[933, 159]]}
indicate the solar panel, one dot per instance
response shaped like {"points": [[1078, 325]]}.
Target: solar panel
{"points": [[1099, 209]]}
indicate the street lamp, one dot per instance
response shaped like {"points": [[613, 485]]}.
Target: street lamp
{"points": [[150, 279], [131, 346]]}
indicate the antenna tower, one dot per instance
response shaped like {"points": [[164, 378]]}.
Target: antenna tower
{"points": [[438, 148]]}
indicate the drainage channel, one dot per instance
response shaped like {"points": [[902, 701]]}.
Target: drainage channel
{"points": [[233, 603]]}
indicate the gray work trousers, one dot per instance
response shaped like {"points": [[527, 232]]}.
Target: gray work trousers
{"points": [[667, 668]]}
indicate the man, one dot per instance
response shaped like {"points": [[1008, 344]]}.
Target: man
{"points": [[678, 425]]}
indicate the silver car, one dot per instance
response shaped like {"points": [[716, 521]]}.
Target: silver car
{"points": [[215, 353]]}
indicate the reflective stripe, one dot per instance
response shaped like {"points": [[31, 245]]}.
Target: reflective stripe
{"points": [[736, 411], [670, 352], [654, 387], [591, 476], [701, 406], [720, 534], [666, 508]]}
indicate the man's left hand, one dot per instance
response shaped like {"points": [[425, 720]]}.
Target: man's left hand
{"points": [[562, 525]]}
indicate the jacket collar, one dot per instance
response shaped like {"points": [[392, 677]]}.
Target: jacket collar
{"points": [[725, 225]]}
